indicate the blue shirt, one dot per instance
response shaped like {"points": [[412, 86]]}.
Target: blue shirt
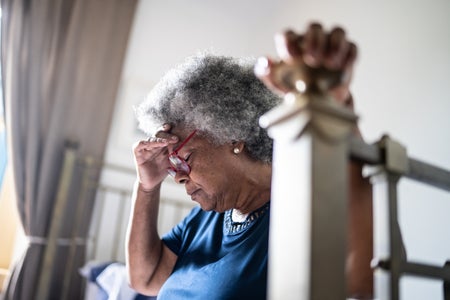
{"points": [[218, 258]]}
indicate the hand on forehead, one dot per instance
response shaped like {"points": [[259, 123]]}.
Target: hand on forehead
{"points": [[170, 132]]}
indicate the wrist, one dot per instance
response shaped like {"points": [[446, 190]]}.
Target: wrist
{"points": [[140, 187]]}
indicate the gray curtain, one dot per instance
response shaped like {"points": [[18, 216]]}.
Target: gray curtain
{"points": [[61, 64]]}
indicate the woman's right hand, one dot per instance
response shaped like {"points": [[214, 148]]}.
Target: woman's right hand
{"points": [[151, 158]]}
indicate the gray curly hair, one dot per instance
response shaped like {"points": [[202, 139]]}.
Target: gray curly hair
{"points": [[217, 95]]}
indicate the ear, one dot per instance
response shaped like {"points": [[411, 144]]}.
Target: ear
{"points": [[237, 147]]}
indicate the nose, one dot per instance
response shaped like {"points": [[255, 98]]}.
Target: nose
{"points": [[181, 177]]}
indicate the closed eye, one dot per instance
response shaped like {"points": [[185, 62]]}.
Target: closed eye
{"points": [[186, 158]]}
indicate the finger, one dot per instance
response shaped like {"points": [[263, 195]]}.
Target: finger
{"points": [[350, 56], [149, 145], [165, 136], [313, 44], [154, 140], [267, 71], [166, 127], [287, 45], [336, 49], [145, 150], [142, 144]]}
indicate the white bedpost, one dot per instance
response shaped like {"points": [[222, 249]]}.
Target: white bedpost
{"points": [[308, 229]]}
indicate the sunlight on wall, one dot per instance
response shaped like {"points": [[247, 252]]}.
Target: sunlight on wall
{"points": [[11, 232], [9, 226]]}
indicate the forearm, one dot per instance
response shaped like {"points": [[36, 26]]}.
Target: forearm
{"points": [[359, 272], [143, 245]]}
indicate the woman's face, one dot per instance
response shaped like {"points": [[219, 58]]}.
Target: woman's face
{"points": [[215, 173]]}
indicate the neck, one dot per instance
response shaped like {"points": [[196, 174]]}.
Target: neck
{"points": [[256, 191]]}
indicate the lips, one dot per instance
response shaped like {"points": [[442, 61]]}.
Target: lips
{"points": [[192, 193]]}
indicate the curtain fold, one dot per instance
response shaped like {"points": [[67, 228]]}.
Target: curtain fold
{"points": [[61, 64]]}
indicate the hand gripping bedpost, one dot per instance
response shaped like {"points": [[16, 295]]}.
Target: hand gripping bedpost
{"points": [[308, 229]]}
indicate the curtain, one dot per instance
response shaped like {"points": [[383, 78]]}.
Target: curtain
{"points": [[61, 64]]}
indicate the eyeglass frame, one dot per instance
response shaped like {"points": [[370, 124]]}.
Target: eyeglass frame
{"points": [[175, 166]]}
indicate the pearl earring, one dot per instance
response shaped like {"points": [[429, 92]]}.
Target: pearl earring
{"points": [[236, 150]]}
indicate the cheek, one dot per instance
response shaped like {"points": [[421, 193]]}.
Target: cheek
{"points": [[210, 172]]}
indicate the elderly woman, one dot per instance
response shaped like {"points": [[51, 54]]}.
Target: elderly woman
{"points": [[211, 143]]}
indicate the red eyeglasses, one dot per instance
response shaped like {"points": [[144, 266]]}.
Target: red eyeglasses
{"points": [[178, 164]]}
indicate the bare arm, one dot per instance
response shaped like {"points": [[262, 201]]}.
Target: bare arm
{"points": [[360, 231], [149, 262]]}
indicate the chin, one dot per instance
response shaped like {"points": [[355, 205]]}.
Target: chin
{"points": [[207, 206]]}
